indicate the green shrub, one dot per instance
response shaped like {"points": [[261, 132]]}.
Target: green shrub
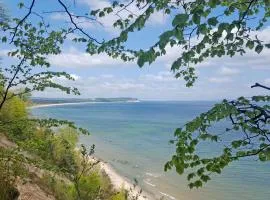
{"points": [[60, 189], [11, 166], [89, 187], [13, 120], [122, 195], [13, 109], [54, 147]]}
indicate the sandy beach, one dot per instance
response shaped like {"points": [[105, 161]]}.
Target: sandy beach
{"points": [[120, 182], [58, 104], [77, 103]]}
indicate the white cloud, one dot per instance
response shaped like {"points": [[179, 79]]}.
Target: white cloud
{"points": [[4, 52], [267, 81], [104, 85], [122, 86], [74, 59], [59, 16], [163, 76], [263, 34], [96, 4], [157, 18], [81, 22], [228, 71], [63, 80], [108, 76], [172, 53], [71, 36], [220, 80], [153, 86]]}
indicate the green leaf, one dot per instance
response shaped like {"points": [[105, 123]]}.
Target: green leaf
{"points": [[4, 39], [179, 168], [230, 36], [180, 19], [101, 14], [212, 21], [250, 44], [198, 184], [196, 19], [21, 4], [259, 48], [262, 157], [236, 144], [141, 61], [213, 3], [190, 176], [267, 45], [205, 178], [202, 29], [179, 34]]}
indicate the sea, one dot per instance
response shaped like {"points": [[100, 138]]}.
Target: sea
{"points": [[133, 137]]}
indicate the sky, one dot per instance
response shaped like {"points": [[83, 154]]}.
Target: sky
{"points": [[102, 76]]}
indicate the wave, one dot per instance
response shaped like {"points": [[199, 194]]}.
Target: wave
{"points": [[167, 195], [135, 166], [153, 175], [133, 101], [123, 162], [148, 183]]}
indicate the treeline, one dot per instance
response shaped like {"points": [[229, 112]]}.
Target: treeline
{"points": [[47, 157]]}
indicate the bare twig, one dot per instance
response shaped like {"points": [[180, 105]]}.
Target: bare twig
{"points": [[75, 25], [260, 85], [73, 15]]}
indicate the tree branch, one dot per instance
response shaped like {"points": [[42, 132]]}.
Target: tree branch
{"points": [[10, 83], [260, 85], [22, 20], [73, 15], [74, 23]]}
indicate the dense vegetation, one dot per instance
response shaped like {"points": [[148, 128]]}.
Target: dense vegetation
{"points": [[62, 170]]}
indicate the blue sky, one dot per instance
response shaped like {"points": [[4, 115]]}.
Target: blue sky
{"points": [[101, 76]]}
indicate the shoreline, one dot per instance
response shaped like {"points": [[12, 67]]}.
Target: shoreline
{"points": [[76, 103], [119, 182]]}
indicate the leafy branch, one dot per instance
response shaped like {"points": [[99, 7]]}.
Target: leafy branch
{"points": [[50, 122], [32, 45], [250, 119]]}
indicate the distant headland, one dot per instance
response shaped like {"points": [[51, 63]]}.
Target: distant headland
{"points": [[47, 101]]}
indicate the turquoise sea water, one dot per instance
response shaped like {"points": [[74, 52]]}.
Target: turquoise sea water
{"points": [[133, 138]]}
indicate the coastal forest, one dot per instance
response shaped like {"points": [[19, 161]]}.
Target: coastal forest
{"points": [[42, 158]]}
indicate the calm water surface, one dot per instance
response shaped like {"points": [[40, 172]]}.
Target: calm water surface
{"points": [[133, 138]]}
